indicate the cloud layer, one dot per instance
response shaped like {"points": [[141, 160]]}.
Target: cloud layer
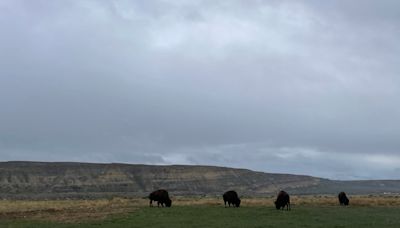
{"points": [[277, 86]]}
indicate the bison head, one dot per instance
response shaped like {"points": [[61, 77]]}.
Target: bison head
{"points": [[277, 206], [168, 203], [238, 203]]}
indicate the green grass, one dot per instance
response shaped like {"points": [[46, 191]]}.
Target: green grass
{"points": [[255, 216]]}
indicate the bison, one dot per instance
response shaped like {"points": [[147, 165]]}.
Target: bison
{"points": [[161, 196], [282, 200], [343, 200], [232, 198]]}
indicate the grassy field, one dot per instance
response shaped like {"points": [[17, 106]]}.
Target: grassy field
{"points": [[315, 211]]}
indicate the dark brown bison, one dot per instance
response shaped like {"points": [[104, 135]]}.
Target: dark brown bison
{"points": [[282, 200], [161, 196], [232, 198], [343, 200]]}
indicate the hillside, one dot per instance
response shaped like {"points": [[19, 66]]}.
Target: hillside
{"points": [[87, 180]]}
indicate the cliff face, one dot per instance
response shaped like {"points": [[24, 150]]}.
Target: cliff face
{"points": [[78, 180], [19, 178]]}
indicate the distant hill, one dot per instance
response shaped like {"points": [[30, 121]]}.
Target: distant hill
{"points": [[88, 180]]}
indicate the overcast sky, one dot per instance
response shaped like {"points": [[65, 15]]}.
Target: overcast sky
{"points": [[304, 87]]}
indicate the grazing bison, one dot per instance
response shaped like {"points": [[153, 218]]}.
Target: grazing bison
{"points": [[232, 198], [343, 200], [161, 196], [282, 200]]}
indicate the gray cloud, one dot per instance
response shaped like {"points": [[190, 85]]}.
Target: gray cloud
{"points": [[278, 86]]}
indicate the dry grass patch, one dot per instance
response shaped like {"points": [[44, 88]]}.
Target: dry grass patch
{"points": [[67, 210]]}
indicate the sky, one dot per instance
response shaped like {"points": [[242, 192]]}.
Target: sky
{"points": [[303, 87]]}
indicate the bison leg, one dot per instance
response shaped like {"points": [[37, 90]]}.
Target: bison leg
{"points": [[158, 203], [151, 203], [225, 202]]}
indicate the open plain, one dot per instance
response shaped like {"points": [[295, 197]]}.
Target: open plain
{"points": [[307, 211]]}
